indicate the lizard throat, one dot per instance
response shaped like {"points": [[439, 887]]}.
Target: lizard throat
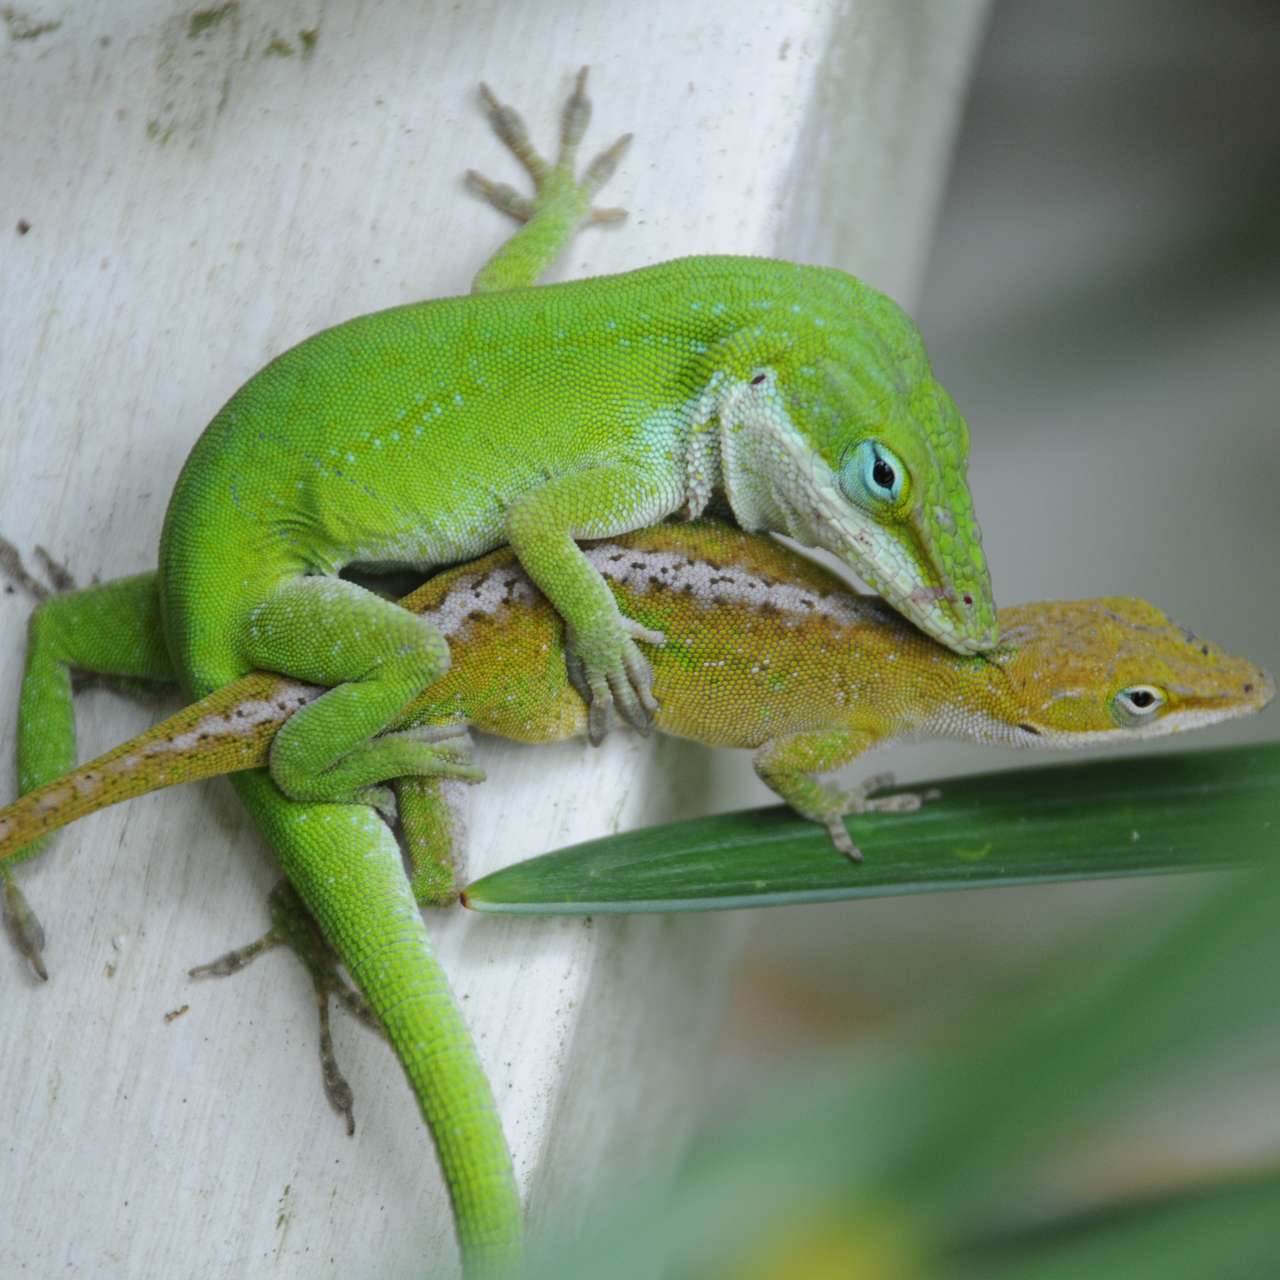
{"points": [[775, 480]]}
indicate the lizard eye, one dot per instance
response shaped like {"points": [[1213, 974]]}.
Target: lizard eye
{"points": [[873, 474], [1137, 705]]}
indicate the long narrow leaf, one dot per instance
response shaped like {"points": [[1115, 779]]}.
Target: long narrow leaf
{"points": [[1191, 811]]}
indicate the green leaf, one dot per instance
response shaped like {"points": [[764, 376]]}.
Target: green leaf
{"points": [[1192, 811], [945, 1157]]}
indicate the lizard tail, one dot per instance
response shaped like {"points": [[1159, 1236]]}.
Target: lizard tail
{"points": [[346, 865], [226, 732]]}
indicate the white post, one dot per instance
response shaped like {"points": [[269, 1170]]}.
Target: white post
{"points": [[187, 192]]}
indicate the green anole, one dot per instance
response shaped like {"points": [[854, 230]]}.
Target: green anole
{"points": [[423, 435], [764, 650]]}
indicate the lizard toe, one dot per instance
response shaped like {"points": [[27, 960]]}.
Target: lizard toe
{"points": [[840, 837]]}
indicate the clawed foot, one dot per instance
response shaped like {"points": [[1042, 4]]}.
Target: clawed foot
{"points": [[450, 757], [859, 800], [23, 925], [430, 751], [614, 672], [58, 576], [549, 181], [293, 927]]}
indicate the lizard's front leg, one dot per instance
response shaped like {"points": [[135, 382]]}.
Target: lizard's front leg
{"points": [[604, 661], [790, 763]]}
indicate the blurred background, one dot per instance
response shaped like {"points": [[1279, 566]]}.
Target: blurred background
{"points": [[1102, 300]]}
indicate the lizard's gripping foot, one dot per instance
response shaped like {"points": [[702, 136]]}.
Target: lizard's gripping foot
{"points": [[293, 927], [23, 925], [406, 753], [625, 679], [860, 800], [58, 575], [551, 182]]}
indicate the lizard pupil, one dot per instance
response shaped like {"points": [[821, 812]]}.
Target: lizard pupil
{"points": [[1141, 698], [882, 474]]}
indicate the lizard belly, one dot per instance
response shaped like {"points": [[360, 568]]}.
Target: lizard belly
{"points": [[218, 565]]}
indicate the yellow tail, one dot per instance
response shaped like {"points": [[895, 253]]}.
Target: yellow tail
{"points": [[226, 732]]}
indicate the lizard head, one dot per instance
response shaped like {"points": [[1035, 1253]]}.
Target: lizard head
{"points": [[835, 432], [1115, 669]]}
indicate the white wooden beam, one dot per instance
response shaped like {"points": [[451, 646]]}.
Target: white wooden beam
{"points": [[202, 188]]}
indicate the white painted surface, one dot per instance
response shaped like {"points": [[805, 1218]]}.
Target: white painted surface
{"points": [[196, 205]]}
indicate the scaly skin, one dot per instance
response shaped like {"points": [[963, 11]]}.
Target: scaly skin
{"points": [[764, 650], [535, 416]]}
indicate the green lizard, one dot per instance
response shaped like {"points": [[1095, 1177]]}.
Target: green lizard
{"points": [[764, 650]]}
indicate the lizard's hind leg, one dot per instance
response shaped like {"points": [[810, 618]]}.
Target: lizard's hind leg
{"points": [[379, 656], [432, 819], [110, 629], [433, 824], [293, 926]]}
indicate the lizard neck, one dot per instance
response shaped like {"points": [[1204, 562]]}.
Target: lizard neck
{"points": [[976, 706], [733, 448]]}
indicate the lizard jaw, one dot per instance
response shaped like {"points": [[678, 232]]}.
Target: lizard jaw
{"points": [[775, 480]]}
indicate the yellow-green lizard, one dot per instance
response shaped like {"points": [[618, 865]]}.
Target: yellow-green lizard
{"points": [[764, 649], [797, 396]]}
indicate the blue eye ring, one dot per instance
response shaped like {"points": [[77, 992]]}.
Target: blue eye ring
{"points": [[873, 475]]}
